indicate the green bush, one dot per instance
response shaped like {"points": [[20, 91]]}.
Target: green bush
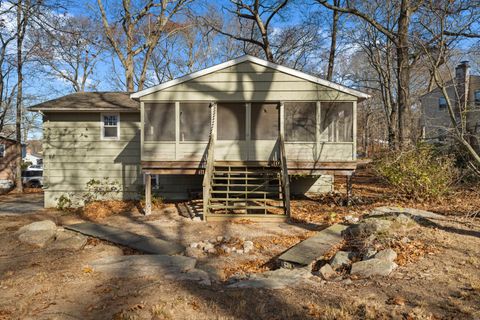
{"points": [[420, 173]]}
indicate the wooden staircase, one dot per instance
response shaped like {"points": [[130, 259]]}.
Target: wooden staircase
{"points": [[246, 189]]}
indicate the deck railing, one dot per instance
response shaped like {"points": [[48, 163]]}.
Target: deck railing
{"points": [[210, 160]]}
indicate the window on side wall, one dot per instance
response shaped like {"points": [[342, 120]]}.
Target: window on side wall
{"points": [[477, 97], [2, 150], [110, 126], [442, 103]]}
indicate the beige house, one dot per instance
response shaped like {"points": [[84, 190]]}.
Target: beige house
{"points": [[464, 92], [245, 133]]}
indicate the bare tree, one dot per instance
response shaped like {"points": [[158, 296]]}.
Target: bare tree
{"points": [[68, 51], [254, 17], [137, 31], [7, 67], [397, 33], [333, 42], [446, 24]]}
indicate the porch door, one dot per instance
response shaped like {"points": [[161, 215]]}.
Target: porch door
{"points": [[231, 144], [247, 131], [264, 131]]}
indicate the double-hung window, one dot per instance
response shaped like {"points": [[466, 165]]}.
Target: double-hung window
{"points": [[442, 103], [110, 126]]}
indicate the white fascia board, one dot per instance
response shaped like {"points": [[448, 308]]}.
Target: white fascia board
{"points": [[256, 60]]}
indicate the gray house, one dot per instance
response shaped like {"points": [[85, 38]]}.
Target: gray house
{"points": [[246, 134]]}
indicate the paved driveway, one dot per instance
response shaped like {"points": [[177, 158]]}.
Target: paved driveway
{"points": [[20, 204]]}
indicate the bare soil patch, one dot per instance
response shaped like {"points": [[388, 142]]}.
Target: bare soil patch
{"points": [[437, 277]]}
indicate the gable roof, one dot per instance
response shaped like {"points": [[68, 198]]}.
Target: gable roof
{"points": [[90, 101], [259, 61]]}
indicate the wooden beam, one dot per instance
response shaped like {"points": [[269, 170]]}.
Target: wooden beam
{"points": [[148, 194], [349, 190]]}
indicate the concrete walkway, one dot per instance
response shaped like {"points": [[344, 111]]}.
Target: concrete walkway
{"points": [[20, 204], [311, 249], [132, 240]]}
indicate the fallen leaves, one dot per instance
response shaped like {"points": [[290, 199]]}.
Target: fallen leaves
{"points": [[412, 251]]}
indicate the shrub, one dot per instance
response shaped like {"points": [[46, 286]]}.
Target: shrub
{"points": [[420, 173], [95, 190]]}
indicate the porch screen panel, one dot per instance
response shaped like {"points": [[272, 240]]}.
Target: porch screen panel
{"points": [[194, 121], [300, 121], [159, 121], [336, 121], [231, 121], [264, 121]]}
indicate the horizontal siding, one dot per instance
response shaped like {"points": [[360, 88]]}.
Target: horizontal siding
{"points": [[74, 154], [248, 96], [247, 82]]}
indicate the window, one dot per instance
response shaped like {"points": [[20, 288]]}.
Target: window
{"points": [[477, 97], [336, 121], [231, 124], [300, 121], [194, 121], [159, 121], [264, 121], [442, 103], [110, 126], [2, 150]]}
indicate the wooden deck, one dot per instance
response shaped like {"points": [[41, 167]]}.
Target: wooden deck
{"points": [[346, 168]]}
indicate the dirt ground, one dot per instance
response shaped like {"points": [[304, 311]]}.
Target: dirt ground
{"points": [[438, 276]]}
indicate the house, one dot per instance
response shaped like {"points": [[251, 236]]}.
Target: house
{"points": [[463, 91], [7, 163], [246, 134], [33, 158]]}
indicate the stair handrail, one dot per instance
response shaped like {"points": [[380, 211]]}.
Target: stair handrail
{"points": [[284, 174], [207, 177]]}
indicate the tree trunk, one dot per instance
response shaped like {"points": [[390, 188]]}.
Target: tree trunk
{"points": [[18, 121], [403, 71], [333, 43]]}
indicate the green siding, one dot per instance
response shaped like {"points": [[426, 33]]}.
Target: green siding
{"points": [[74, 153]]}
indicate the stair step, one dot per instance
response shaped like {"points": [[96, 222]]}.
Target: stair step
{"points": [[243, 178], [219, 206], [263, 173], [243, 191], [243, 199], [243, 185]]}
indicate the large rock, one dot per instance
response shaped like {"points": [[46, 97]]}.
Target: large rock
{"points": [[38, 226], [340, 259], [68, 240], [387, 255], [369, 227], [38, 234], [144, 265], [40, 238], [327, 272], [373, 267]]}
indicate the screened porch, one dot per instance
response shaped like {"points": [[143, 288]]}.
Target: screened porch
{"points": [[176, 133]]}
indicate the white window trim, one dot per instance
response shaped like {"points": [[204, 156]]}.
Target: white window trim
{"points": [[102, 132], [2, 155]]}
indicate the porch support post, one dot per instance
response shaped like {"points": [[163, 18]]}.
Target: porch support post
{"points": [[349, 189], [148, 194], [177, 130], [354, 130], [318, 119]]}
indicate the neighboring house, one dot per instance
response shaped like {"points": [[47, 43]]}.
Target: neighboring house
{"points": [[7, 162], [33, 158], [246, 133], [465, 88]]}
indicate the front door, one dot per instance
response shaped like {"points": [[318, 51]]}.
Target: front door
{"points": [[247, 131]]}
